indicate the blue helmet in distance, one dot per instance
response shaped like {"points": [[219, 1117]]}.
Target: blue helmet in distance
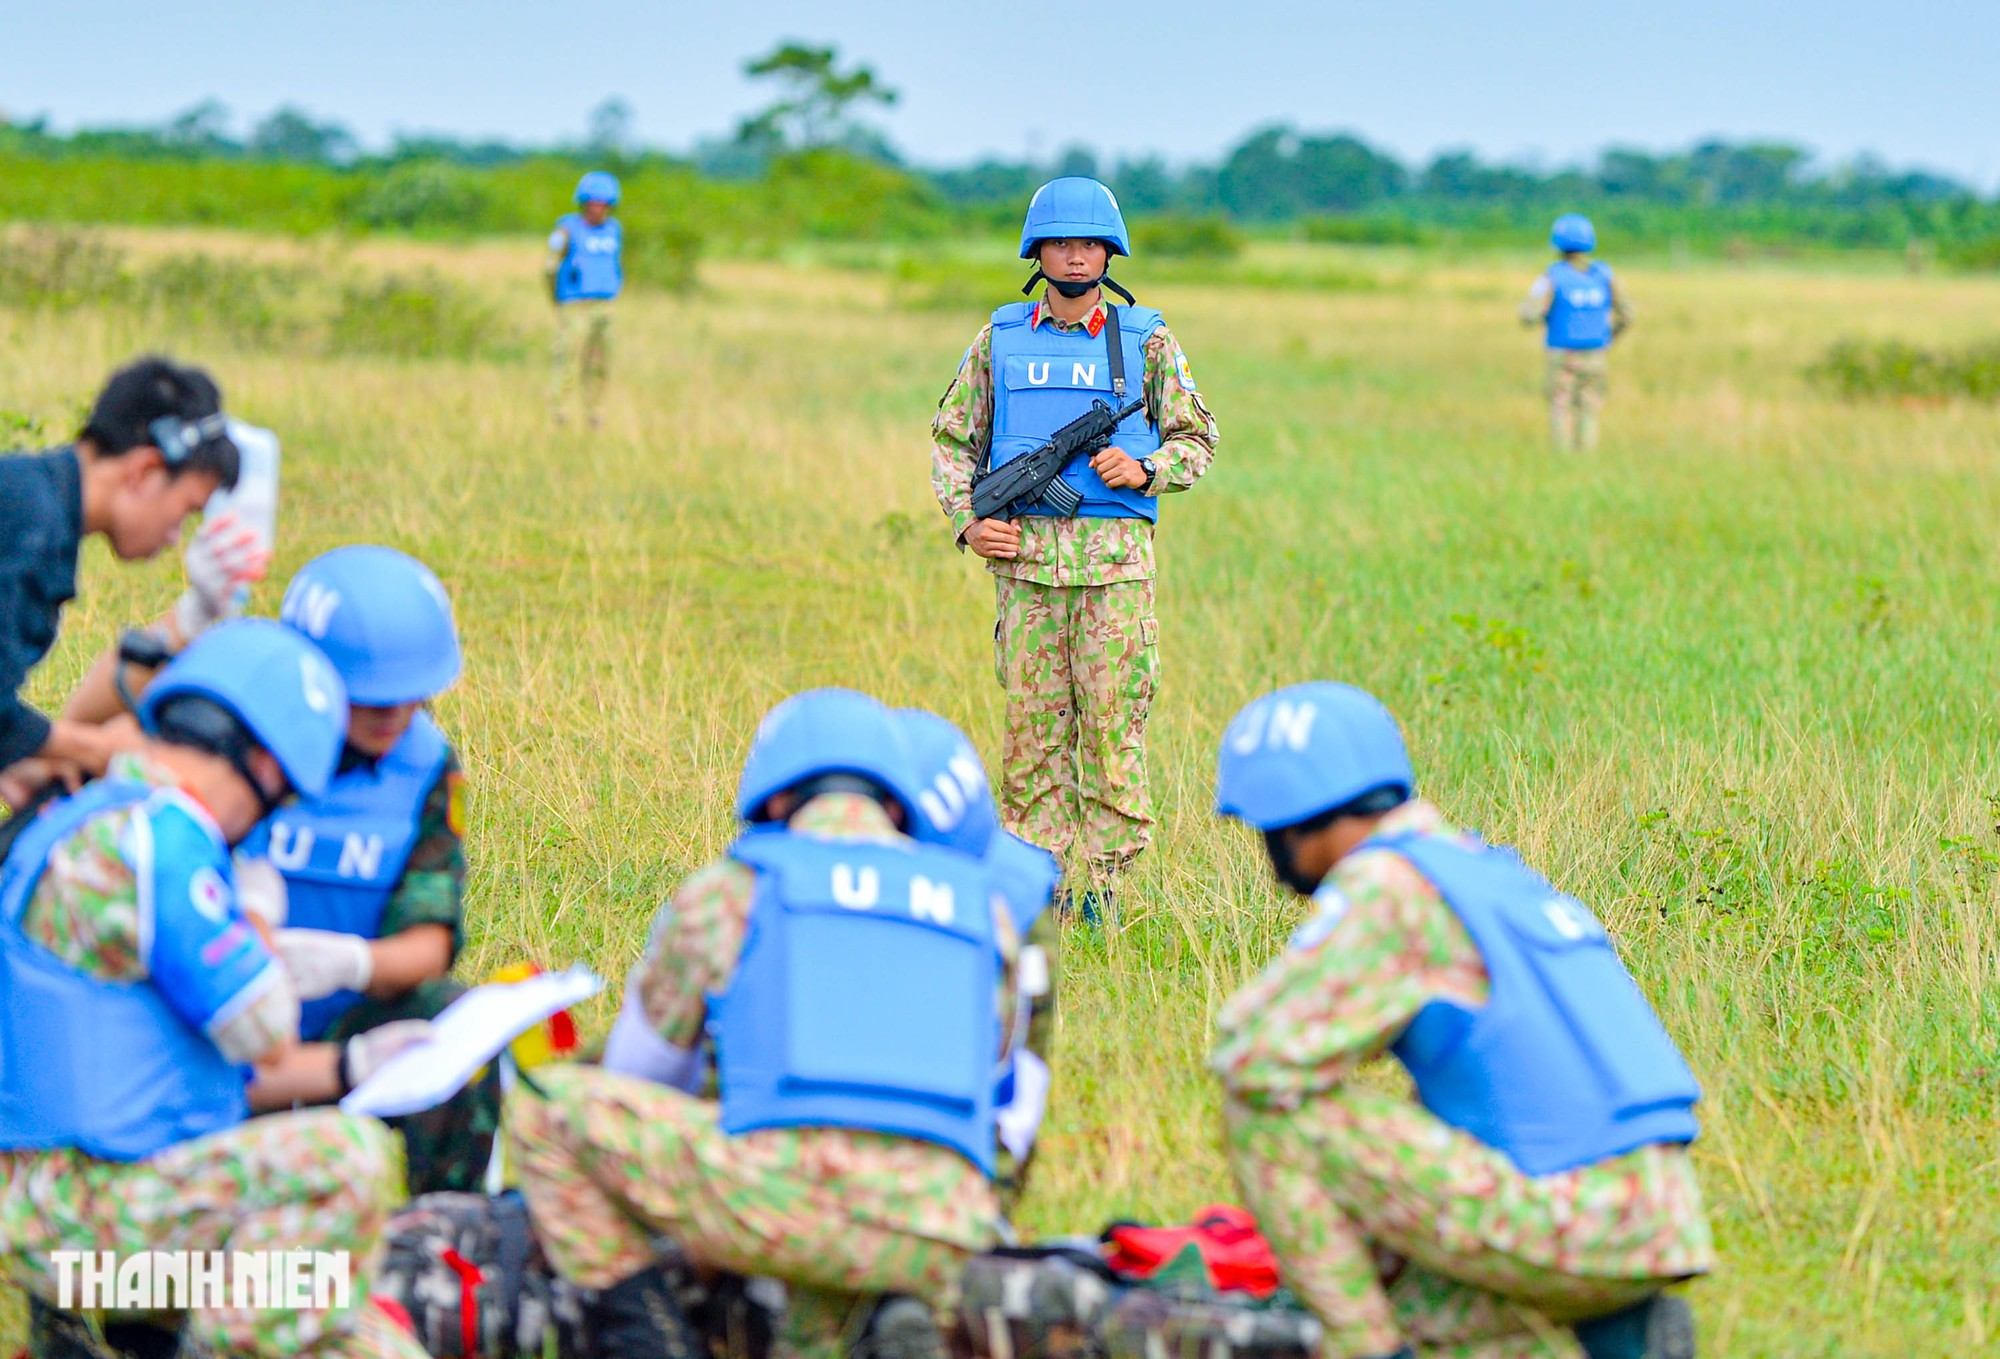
{"points": [[382, 618], [1307, 749], [278, 685], [599, 186], [1573, 234], [1074, 206], [826, 731], [954, 806]]}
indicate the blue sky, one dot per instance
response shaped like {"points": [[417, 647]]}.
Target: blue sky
{"points": [[1914, 82]]}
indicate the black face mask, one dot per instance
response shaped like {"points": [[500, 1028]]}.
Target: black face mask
{"points": [[1285, 863]]}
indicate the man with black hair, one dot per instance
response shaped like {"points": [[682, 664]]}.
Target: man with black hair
{"points": [[1537, 1196], [152, 452], [136, 996]]}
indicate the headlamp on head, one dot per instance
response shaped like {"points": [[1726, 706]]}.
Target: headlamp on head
{"points": [[177, 437]]}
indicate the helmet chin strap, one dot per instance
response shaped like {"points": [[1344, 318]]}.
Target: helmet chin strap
{"points": [[1071, 288]]}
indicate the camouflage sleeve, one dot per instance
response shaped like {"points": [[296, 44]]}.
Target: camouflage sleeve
{"points": [[1382, 945], [1011, 1175], [1541, 296], [1621, 310], [959, 433], [1187, 431], [432, 890], [692, 950]]}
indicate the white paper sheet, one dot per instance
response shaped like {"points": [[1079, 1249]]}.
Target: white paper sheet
{"points": [[471, 1032]]}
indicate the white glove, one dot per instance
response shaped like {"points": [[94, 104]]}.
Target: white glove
{"points": [[324, 961], [366, 1053], [223, 559], [261, 889]]}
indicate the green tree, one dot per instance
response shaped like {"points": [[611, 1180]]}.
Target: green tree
{"points": [[813, 110]]}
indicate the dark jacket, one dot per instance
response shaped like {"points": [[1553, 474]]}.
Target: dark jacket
{"points": [[41, 528]]}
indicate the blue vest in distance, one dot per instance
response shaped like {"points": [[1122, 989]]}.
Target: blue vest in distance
{"points": [[343, 855], [593, 269], [1580, 307], [103, 1066], [1044, 378], [1566, 1065], [864, 994]]}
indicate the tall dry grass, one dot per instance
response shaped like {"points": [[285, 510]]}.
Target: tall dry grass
{"points": [[1729, 679]]}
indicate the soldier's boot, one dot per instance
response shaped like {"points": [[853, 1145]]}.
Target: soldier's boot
{"points": [[640, 1318], [1661, 1327], [901, 1328]]}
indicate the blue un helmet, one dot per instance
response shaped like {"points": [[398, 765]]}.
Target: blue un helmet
{"points": [[383, 620], [599, 186], [1573, 234], [1305, 750], [824, 732], [954, 806], [1074, 206], [278, 687]]}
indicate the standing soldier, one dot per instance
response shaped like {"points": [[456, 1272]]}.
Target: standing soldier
{"points": [[1545, 1175], [136, 993], [852, 988], [1582, 312], [1076, 640], [585, 269]]}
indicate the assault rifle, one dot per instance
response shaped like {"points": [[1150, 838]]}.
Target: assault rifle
{"points": [[1038, 474]]}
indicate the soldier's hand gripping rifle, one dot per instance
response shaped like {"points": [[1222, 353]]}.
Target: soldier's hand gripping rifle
{"points": [[1037, 475]]}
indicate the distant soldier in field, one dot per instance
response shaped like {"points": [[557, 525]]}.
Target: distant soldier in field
{"points": [[1075, 645], [1581, 312], [585, 270], [849, 992], [136, 993], [1543, 1182]]}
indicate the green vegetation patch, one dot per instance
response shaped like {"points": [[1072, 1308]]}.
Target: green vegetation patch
{"points": [[1894, 368]]}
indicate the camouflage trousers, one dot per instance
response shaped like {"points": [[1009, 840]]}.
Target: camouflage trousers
{"points": [[1079, 665], [608, 1162], [582, 350], [318, 1180], [1577, 380], [445, 1148], [1391, 1225]]}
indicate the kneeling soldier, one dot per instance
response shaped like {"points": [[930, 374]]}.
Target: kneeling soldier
{"points": [[1544, 1177], [853, 987]]}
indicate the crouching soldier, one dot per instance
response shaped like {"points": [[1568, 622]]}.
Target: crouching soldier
{"points": [[373, 869], [136, 993], [1543, 1181], [854, 985]]}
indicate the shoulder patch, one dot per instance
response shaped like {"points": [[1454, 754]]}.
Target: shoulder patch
{"points": [[209, 894], [1182, 372], [1332, 909], [454, 807], [558, 239]]}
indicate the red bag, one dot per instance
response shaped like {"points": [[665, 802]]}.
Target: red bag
{"points": [[1238, 1257]]}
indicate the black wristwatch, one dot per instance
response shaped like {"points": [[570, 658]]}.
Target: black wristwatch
{"points": [[1151, 472]]}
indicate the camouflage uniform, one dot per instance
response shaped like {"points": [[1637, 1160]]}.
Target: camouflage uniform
{"points": [[1386, 1221], [447, 1147], [1075, 643], [608, 1161], [318, 1180], [1576, 379]]}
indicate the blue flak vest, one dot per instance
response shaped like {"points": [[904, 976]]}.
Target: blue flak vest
{"points": [[1044, 378], [864, 994], [1566, 1065], [343, 855], [1025, 875], [103, 1066], [593, 269], [1580, 308]]}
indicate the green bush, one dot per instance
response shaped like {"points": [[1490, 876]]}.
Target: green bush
{"points": [[1892, 368], [1184, 238], [413, 316], [661, 254], [424, 195], [1365, 231], [49, 267], [1981, 253]]}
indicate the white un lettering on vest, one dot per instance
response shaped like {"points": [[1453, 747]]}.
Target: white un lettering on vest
{"points": [[860, 889], [292, 851]]}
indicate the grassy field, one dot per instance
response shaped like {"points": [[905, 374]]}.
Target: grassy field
{"points": [[1729, 679]]}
